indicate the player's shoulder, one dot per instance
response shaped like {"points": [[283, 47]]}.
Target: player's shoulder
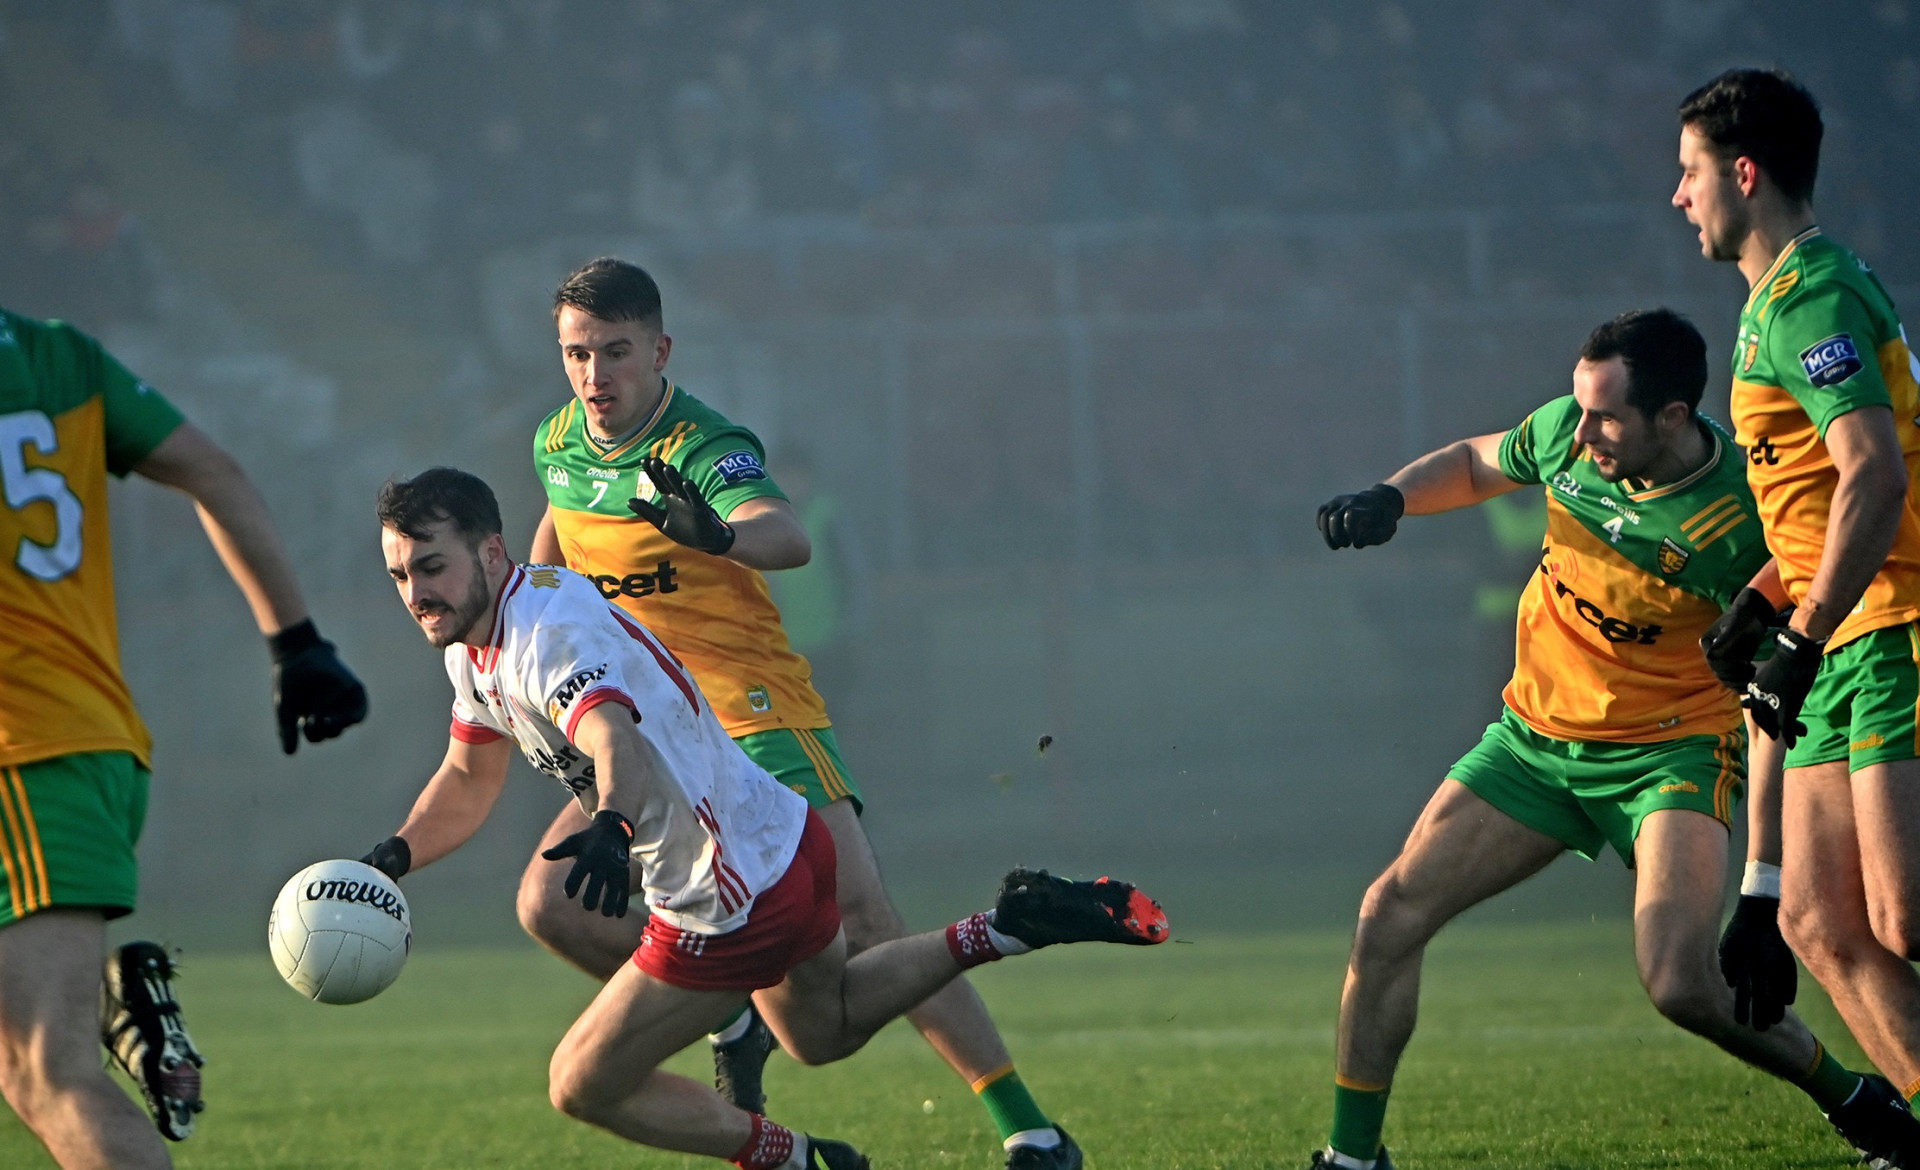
{"points": [[58, 366], [1819, 284], [550, 437], [1547, 431]]}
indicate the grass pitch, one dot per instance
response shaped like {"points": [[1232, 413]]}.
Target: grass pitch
{"points": [[1535, 1049]]}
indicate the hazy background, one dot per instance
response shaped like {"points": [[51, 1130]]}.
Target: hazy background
{"points": [[1075, 311]]}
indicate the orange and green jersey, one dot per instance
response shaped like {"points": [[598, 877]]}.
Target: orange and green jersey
{"points": [[714, 614], [70, 415], [1819, 338], [1608, 646]]}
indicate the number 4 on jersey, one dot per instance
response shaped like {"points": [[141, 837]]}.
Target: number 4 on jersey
{"points": [[1613, 528]]}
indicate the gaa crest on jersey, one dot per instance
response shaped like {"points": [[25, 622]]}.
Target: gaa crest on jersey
{"points": [[739, 466], [1753, 351], [1672, 557], [1832, 361]]}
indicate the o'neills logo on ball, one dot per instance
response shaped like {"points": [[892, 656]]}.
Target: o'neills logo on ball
{"points": [[366, 893]]}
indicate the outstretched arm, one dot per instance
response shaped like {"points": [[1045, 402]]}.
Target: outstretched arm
{"points": [[767, 534], [1458, 475], [313, 691], [456, 801], [1455, 476], [236, 520]]}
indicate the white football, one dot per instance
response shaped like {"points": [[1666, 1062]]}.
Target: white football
{"points": [[340, 931]]}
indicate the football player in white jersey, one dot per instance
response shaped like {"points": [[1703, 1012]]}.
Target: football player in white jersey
{"points": [[737, 872]]}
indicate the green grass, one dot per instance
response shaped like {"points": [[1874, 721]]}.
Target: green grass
{"points": [[1535, 1049]]}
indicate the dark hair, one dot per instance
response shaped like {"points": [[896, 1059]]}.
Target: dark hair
{"points": [[409, 506], [1665, 356], [1765, 115], [611, 290]]}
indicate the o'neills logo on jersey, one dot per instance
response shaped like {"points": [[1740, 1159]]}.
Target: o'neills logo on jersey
{"points": [[363, 893]]}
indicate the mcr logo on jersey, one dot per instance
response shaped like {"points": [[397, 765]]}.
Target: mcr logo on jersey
{"points": [[1764, 452]]}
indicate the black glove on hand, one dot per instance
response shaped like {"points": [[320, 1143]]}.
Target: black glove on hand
{"points": [[600, 859], [1731, 642], [312, 688], [1757, 964], [393, 857], [1780, 685], [682, 513], [1364, 518]]}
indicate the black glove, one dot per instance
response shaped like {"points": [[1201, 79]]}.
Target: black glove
{"points": [[1365, 518], [1731, 641], [1780, 685], [393, 857], [312, 688], [682, 513], [600, 859], [1757, 964]]}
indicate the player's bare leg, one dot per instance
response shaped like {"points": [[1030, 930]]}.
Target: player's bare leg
{"points": [[1825, 916], [594, 943], [954, 1019], [1462, 851], [1680, 862], [606, 1071], [50, 1067]]}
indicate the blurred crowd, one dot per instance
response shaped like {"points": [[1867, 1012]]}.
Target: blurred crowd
{"points": [[428, 129]]}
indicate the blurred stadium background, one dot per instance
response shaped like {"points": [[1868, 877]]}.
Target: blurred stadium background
{"points": [[1059, 319]]}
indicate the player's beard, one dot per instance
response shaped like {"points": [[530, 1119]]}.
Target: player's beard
{"points": [[461, 617], [1724, 245]]}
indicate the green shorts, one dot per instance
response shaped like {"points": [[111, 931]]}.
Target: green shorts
{"points": [[68, 826], [1864, 707], [1587, 794], [807, 761]]}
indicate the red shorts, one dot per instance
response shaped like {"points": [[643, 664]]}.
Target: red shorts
{"points": [[789, 924]]}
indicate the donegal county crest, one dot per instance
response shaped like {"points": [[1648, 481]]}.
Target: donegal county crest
{"points": [[1672, 558]]}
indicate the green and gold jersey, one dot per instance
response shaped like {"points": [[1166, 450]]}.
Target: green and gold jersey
{"points": [[1608, 645], [1819, 337], [714, 614], [70, 415]]}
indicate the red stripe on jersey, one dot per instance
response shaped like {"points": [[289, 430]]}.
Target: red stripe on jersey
{"points": [[473, 732], [667, 662], [485, 658], [594, 698]]}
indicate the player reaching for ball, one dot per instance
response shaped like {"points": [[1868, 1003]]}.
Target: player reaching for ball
{"points": [[74, 754], [737, 873], [1616, 731], [669, 508]]}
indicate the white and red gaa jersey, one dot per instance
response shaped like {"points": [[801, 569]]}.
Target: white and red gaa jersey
{"points": [[715, 829]]}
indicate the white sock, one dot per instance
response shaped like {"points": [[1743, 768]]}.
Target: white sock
{"points": [[1006, 944], [1039, 1139], [799, 1159], [1347, 1162], [733, 1031]]}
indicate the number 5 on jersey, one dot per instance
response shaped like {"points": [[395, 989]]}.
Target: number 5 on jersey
{"points": [[31, 485]]}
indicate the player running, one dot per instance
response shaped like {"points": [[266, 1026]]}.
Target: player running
{"points": [[738, 874], [1824, 398], [668, 507], [74, 754], [1615, 732]]}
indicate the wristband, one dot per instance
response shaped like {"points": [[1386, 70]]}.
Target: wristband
{"points": [[295, 638], [1761, 880]]}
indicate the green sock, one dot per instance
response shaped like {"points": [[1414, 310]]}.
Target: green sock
{"points": [[1828, 1081], [1009, 1104], [732, 1020], [1359, 1112]]}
